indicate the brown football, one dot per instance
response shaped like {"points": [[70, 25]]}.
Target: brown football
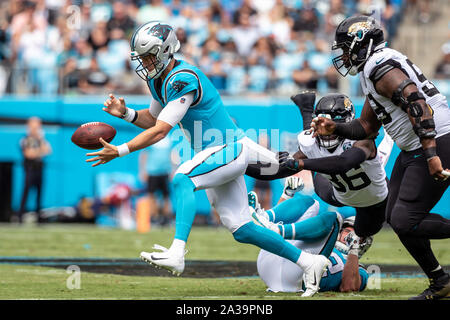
{"points": [[87, 135]]}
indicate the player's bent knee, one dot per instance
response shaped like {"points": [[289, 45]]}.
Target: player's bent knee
{"points": [[399, 221], [182, 181], [368, 229], [244, 233]]}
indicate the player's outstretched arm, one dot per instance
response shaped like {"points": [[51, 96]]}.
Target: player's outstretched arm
{"points": [[117, 108], [142, 140], [397, 86], [365, 127], [350, 158], [171, 115]]}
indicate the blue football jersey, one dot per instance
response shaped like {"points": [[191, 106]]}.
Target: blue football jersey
{"points": [[206, 123], [331, 279]]}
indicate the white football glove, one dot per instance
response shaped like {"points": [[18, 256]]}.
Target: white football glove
{"points": [[292, 185]]}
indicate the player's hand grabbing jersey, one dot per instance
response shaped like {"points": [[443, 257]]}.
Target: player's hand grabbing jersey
{"points": [[362, 186], [394, 119]]}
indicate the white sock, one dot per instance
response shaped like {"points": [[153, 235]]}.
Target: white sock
{"points": [[305, 259], [178, 246]]}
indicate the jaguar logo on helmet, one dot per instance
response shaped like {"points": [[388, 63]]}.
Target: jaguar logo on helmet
{"points": [[359, 29], [356, 39], [348, 104], [337, 107]]}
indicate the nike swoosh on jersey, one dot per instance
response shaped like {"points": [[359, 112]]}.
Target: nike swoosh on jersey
{"points": [[153, 258], [378, 61]]}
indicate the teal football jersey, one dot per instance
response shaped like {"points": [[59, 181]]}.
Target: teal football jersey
{"points": [[206, 123], [331, 279]]}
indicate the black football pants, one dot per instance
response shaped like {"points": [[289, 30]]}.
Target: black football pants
{"points": [[413, 192], [368, 220]]}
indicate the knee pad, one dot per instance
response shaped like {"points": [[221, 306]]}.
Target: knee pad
{"points": [[182, 181]]}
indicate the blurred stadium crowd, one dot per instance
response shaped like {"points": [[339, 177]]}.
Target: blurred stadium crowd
{"points": [[244, 46]]}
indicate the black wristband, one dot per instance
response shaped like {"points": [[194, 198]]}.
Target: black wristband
{"points": [[351, 130], [135, 117], [430, 153]]}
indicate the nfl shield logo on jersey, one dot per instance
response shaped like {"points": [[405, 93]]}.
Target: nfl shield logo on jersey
{"points": [[346, 145]]}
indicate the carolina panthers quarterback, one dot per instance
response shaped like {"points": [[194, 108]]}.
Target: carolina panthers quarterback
{"points": [[416, 115], [184, 96]]}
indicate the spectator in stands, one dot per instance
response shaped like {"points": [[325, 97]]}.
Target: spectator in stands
{"points": [[34, 148], [306, 77], [155, 167], [153, 10], [120, 18], [237, 25], [307, 21], [245, 34], [442, 70], [94, 80], [99, 36]]}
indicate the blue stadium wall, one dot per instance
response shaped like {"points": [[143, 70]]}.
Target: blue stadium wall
{"points": [[68, 177]]}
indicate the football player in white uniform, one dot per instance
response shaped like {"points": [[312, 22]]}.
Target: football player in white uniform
{"points": [[351, 172], [416, 115]]}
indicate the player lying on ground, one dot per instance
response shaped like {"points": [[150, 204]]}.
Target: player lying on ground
{"points": [[416, 115], [183, 95], [298, 218], [351, 172]]}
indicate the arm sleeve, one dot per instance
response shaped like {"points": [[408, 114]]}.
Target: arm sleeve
{"points": [[336, 164], [254, 170], [352, 130], [155, 108], [175, 110]]}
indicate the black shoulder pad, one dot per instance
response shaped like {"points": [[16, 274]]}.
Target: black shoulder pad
{"points": [[380, 70]]}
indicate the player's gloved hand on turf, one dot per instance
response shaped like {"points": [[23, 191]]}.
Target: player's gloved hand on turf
{"points": [[115, 107], [287, 161], [322, 126], [292, 185], [108, 153], [436, 169]]}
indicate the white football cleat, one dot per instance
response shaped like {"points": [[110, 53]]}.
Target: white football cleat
{"points": [[253, 200], [260, 218], [313, 274], [165, 259]]}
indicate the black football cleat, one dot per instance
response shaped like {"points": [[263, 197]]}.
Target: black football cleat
{"points": [[305, 102], [439, 289]]}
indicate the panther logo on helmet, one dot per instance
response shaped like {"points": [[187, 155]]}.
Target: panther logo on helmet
{"points": [[161, 31], [156, 39]]}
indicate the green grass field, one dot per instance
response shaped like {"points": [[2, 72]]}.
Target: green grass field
{"points": [[81, 241]]}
